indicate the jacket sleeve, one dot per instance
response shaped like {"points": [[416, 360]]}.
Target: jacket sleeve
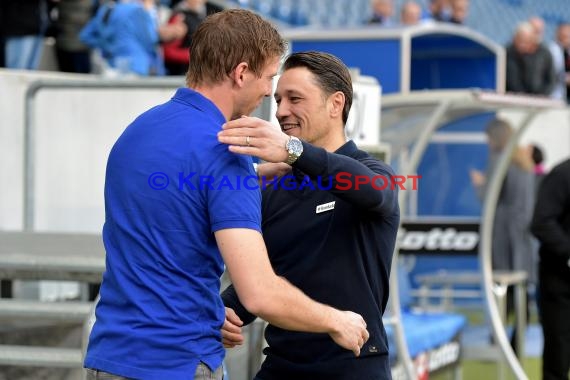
{"points": [[514, 76], [549, 73], [90, 34], [231, 300], [174, 52], [145, 28], [550, 209], [367, 183]]}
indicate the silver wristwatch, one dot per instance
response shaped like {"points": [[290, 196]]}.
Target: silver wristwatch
{"points": [[294, 148]]}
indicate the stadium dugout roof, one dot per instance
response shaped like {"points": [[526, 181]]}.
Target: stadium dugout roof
{"points": [[426, 56], [428, 109], [427, 112]]}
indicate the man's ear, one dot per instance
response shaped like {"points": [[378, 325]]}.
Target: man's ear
{"points": [[336, 102], [238, 74]]}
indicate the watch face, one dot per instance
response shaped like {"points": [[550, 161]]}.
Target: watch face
{"points": [[295, 147]]}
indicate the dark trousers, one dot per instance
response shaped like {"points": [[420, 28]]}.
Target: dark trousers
{"points": [[555, 319], [2, 60], [74, 61]]}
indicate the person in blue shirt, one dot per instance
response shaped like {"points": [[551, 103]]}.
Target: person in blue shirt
{"points": [[127, 35], [178, 206], [326, 231]]}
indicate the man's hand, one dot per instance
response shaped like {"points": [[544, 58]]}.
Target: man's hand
{"points": [[255, 137], [231, 330], [351, 333], [271, 170], [174, 30], [477, 178]]}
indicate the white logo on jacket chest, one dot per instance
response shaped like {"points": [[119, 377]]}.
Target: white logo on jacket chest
{"points": [[325, 207]]}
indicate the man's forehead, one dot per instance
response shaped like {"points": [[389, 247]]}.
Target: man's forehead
{"points": [[296, 75], [291, 84]]}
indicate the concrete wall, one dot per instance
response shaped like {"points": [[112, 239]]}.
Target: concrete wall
{"points": [[76, 129]]}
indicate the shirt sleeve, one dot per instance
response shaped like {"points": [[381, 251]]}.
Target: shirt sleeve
{"points": [[366, 183], [232, 191]]}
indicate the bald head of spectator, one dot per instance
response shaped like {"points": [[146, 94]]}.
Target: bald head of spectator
{"points": [[411, 13], [538, 25], [459, 9], [563, 35], [382, 11], [525, 40]]}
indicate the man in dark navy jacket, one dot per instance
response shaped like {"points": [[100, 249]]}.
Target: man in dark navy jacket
{"points": [[551, 226], [327, 232]]}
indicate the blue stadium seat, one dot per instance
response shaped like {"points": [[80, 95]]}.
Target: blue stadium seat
{"points": [[425, 331]]}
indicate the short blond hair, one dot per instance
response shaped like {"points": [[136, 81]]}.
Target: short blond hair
{"points": [[225, 39]]}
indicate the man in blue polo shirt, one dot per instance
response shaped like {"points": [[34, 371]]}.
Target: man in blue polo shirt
{"points": [[326, 232], [175, 213]]}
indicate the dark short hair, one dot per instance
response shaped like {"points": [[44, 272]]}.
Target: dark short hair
{"points": [[499, 131], [225, 39], [537, 155], [330, 73]]}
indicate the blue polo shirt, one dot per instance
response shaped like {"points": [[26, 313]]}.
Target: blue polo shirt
{"points": [[169, 186]]}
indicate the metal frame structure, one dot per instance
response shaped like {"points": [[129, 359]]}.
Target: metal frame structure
{"points": [[48, 256], [471, 101], [406, 36], [30, 123]]}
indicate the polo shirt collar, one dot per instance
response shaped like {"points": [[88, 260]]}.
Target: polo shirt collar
{"points": [[348, 149], [199, 101]]}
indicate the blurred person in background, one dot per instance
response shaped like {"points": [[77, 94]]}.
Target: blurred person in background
{"points": [[410, 14], [73, 56], [512, 242], [516, 199], [382, 12], [176, 52], [537, 24], [127, 34], [560, 50], [529, 64], [439, 10], [23, 24], [538, 158], [459, 11], [2, 60], [551, 226]]}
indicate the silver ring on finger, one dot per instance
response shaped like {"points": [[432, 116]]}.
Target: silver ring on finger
{"points": [[247, 142]]}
